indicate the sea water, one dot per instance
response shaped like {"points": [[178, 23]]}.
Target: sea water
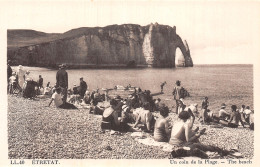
{"points": [[230, 84]]}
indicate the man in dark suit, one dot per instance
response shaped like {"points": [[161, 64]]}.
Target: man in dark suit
{"points": [[9, 73], [83, 87], [62, 81]]}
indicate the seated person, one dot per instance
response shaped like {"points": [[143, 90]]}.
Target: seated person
{"points": [[247, 113], [47, 89], [145, 117], [120, 103], [99, 108], [242, 112], [75, 97], [95, 97], [193, 108], [181, 105], [86, 99], [56, 97], [110, 117], [127, 115], [183, 135], [161, 127], [75, 89], [47, 92], [223, 114], [182, 130], [251, 120], [207, 116], [234, 118], [157, 104]]}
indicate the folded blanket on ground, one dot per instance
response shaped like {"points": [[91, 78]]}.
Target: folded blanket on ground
{"points": [[147, 139]]}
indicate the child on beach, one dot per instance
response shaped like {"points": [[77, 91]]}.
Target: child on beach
{"points": [[205, 103], [12, 82], [162, 85]]}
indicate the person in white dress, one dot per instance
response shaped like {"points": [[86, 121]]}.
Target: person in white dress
{"points": [[21, 75]]}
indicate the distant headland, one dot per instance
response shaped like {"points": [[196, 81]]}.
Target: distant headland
{"points": [[127, 45]]}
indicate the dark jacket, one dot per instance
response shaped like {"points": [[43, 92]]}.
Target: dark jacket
{"points": [[62, 78], [9, 72], [83, 87], [40, 82]]}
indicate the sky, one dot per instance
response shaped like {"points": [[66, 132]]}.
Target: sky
{"points": [[218, 32]]}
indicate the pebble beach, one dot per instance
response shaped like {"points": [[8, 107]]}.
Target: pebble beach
{"points": [[36, 131]]}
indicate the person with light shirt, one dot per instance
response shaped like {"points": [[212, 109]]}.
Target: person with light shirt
{"points": [[59, 103]]}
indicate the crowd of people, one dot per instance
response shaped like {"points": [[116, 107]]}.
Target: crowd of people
{"points": [[136, 112]]}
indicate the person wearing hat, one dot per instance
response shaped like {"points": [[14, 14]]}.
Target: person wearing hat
{"points": [[62, 81], [223, 114], [177, 94], [110, 117], [82, 87]]}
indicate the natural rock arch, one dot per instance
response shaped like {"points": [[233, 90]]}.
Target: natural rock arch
{"points": [[153, 45]]}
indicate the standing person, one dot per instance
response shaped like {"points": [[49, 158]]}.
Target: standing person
{"points": [[21, 76], [162, 85], [83, 87], [204, 106], [62, 81], [205, 103], [12, 82], [177, 95], [40, 81], [9, 72]]}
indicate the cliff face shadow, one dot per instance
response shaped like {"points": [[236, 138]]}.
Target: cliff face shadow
{"points": [[127, 45]]}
